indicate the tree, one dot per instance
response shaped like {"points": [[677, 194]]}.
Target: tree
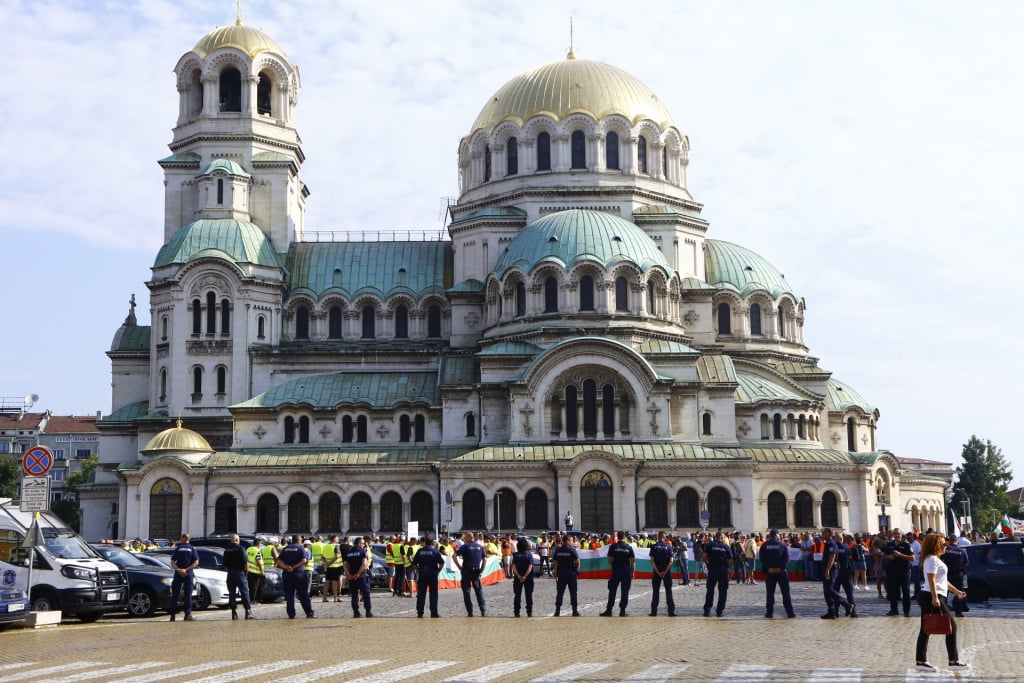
{"points": [[69, 508], [10, 474], [984, 477]]}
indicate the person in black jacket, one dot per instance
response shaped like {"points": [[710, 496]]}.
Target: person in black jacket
{"points": [[236, 564]]}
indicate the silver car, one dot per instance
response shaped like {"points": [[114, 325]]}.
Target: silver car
{"points": [[213, 585]]}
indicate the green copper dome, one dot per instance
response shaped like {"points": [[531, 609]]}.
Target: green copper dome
{"points": [[227, 238], [730, 266], [568, 237]]}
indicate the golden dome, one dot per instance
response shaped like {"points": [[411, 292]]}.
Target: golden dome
{"points": [[179, 440], [573, 85], [249, 40]]}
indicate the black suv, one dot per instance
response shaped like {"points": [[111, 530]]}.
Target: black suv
{"points": [[996, 570], [149, 587]]}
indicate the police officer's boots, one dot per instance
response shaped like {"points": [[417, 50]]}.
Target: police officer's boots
{"points": [[234, 614], [248, 614]]}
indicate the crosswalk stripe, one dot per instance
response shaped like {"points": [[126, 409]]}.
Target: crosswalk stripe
{"points": [[325, 671], [747, 673], [269, 667], [836, 675], [183, 671], [104, 673], [914, 676], [489, 673], [572, 672], [657, 673], [403, 672], [16, 665], [34, 673]]}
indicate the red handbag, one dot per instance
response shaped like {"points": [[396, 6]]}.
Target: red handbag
{"points": [[938, 623]]}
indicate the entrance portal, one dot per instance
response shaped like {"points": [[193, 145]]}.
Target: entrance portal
{"points": [[596, 508]]}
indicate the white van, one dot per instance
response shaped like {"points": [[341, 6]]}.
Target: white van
{"points": [[67, 574]]}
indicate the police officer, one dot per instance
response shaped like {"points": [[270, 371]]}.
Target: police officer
{"points": [[292, 561], [428, 562], [830, 576], [956, 560], [897, 575], [357, 571], [623, 561], [235, 562], [522, 577], [184, 559], [661, 572], [566, 570], [844, 558], [254, 569], [469, 559], [774, 556], [718, 558]]}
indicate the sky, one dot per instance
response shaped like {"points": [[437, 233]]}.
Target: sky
{"points": [[868, 150]]}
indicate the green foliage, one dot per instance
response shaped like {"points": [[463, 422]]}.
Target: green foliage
{"points": [[69, 509], [10, 474], [985, 476]]}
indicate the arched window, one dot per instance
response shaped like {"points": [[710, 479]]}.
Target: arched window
{"points": [[196, 93], [261, 327], [777, 426], [163, 328], [298, 513], [571, 419], [782, 329], [346, 429], [687, 508], [621, 294], [664, 161], [719, 508], [536, 505], [705, 422], [225, 317], [655, 509], [303, 429], [755, 319], [611, 151], [419, 428], [487, 163], [641, 154], [404, 429], [550, 295], [302, 323], [360, 512], [777, 510], [289, 429], [401, 322], [225, 515], [470, 424], [829, 510], [211, 313], [803, 510], [263, 99], [391, 512], [608, 411], [369, 322], [197, 380], [220, 191], [222, 380], [520, 299], [543, 152], [434, 322], [765, 428], [511, 157], [505, 509], [197, 316], [851, 435], [334, 323], [801, 427], [329, 518], [589, 408], [230, 90], [268, 515], [586, 293], [724, 319], [163, 384], [361, 429], [651, 301], [473, 510], [578, 143], [421, 510]]}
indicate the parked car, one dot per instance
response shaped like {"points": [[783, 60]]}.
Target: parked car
{"points": [[213, 584], [995, 570], [271, 589], [14, 607], [149, 587]]}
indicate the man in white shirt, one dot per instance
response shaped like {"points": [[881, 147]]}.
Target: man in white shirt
{"points": [[915, 567]]}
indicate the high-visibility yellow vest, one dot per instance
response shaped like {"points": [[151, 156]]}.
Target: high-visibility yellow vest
{"points": [[317, 550], [406, 561], [253, 564], [394, 552], [331, 556], [268, 556]]}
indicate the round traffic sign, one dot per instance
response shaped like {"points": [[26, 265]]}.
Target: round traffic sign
{"points": [[37, 461]]}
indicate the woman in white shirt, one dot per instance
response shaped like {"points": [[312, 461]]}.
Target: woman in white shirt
{"points": [[932, 599]]}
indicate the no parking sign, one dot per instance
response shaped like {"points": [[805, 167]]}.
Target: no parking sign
{"points": [[37, 461]]}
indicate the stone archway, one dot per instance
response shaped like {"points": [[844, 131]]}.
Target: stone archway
{"points": [[597, 510]]}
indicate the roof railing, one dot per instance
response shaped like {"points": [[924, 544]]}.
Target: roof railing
{"points": [[437, 235]]}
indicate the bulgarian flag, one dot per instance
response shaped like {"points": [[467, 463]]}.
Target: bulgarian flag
{"points": [[1004, 527]]}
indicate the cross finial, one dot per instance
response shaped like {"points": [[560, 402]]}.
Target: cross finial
{"points": [[179, 419], [572, 48], [238, 12]]}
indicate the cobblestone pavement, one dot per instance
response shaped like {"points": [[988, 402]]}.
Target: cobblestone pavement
{"points": [[395, 646]]}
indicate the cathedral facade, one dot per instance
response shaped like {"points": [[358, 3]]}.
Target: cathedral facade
{"points": [[577, 343]]}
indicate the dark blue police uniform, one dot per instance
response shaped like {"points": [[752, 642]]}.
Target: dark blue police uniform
{"points": [[897, 577], [358, 580], [718, 558], [621, 557], [428, 562], [184, 555], [956, 560], [523, 563], [661, 560], [844, 560], [291, 560], [830, 578], [471, 557], [565, 559], [774, 556]]}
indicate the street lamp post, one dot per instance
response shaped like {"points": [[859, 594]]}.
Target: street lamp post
{"points": [[965, 504], [497, 505]]}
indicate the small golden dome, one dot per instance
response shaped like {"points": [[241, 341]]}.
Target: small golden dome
{"points": [[572, 85], [249, 40], [178, 440]]}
